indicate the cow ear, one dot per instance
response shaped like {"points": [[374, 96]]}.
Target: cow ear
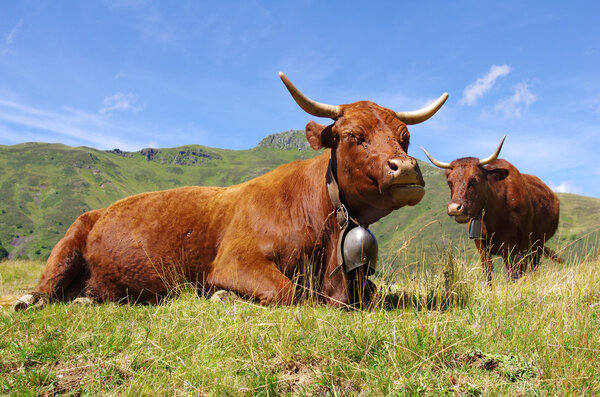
{"points": [[498, 173], [319, 135]]}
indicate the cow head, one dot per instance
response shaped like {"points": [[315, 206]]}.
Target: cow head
{"points": [[369, 146], [468, 181]]}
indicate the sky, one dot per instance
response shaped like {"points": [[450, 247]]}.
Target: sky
{"points": [[133, 74]]}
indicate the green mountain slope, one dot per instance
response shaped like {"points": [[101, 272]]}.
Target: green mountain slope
{"points": [[44, 187]]}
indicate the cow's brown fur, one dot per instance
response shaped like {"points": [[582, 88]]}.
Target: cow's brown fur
{"points": [[251, 238], [520, 213]]}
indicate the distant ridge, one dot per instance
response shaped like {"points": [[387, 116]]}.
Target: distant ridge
{"points": [[291, 139], [184, 155]]}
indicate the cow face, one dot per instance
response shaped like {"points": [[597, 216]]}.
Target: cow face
{"points": [[468, 183], [369, 146], [468, 180]]}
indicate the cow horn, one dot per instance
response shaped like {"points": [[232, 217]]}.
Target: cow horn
{"points": [[308, 105], [435, 162], [418, 116], [493, 156]]}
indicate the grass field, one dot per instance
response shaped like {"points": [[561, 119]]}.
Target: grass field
{"points": [[437, 330]]}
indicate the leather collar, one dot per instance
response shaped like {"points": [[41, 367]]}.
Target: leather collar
{"points": [[341, 213]]}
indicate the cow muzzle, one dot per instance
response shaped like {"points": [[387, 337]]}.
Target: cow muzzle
{"points": [[406, 182], [456, 210]]}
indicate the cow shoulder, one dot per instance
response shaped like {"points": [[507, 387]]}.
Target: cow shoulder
{"points": [[510, 186]]}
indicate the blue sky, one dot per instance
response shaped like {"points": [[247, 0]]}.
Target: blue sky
{"points": [[132, 74]]}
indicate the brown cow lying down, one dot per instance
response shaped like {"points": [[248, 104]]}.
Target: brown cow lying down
{"points": [[510, 214], [255, 237]]}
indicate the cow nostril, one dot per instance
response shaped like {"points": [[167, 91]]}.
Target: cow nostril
{"points": [[393, 166], [454, 207]]}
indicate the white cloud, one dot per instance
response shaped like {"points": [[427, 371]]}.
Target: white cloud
{"points": [[483, 84], [10, 37], [512, 106], [77, 127], [120, 101], [565, 187]]}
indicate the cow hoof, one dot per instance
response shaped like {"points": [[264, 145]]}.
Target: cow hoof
{"points": [[29, 302], [24, 302], [223, 296], [83, 301]]}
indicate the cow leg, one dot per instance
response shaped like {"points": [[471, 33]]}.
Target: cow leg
{"points": [[361, 290], [66, 271], [515, 264], [536, 256], [259, 279], [533, 262], [486, 261]]}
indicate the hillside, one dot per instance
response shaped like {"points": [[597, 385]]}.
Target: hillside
{"points": [[44, 187]]}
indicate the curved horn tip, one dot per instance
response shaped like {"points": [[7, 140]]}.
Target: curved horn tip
{"points": [[501, 143], [503, 138], [419, 116], [308, 105], [495, 155], [434, 161]]}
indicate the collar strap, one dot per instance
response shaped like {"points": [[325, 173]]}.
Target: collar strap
{"points": [[341, 214]]}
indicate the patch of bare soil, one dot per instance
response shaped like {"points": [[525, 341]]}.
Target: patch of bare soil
{"points": [[20, 240], [69, 379], [67, 376], [510, 366], [16, 242], [475, 359], [297, 375]]}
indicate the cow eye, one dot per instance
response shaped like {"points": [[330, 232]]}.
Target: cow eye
{"points": [[450, 185], [473, 183], [359, 139]]}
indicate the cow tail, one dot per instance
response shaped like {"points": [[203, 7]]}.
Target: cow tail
{"points": [[66, 273], [552, 255]]}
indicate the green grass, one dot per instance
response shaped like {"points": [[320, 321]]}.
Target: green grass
{"points": [[437, 330], [19, 276]]}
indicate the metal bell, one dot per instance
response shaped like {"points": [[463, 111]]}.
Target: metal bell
{"points": [[360, 249], [475, 228]]}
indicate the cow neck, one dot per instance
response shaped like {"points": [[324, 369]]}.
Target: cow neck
{"points": [[479, 219], [342, 215], [485, 203]]}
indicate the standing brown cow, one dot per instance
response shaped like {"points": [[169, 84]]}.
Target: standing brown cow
{"points": [[510, 214], [252, 238]]}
